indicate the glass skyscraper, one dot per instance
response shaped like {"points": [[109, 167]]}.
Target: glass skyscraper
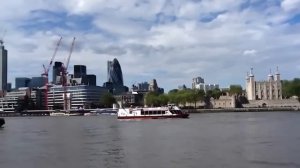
{"points": [[3, 68], [114, 73]]}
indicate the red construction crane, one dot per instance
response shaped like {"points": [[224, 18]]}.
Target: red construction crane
{"points": [[64, 75], [46, 73]]}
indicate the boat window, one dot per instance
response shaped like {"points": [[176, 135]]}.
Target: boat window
{"points": [[150, 112], [154, 112], [159, 112], [146, 112], [163, 112], [142, 112]]}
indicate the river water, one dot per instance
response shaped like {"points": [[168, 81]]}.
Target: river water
{"points": [[227, 140]]}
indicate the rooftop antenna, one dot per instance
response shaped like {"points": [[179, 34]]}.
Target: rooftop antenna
{"points": [[277, 71], [2, 37]]}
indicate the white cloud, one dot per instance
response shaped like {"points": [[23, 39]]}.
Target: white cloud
{"points": [[173, 48], [290, 5], [249, 52]]}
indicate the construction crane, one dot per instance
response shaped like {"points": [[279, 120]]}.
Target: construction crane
{"points": [[46, 72], [64, 76]]}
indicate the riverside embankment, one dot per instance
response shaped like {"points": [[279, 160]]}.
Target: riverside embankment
{"points": [[260, 109]]}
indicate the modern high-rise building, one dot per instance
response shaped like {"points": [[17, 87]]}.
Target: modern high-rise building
{"points": [[22, 82], [79, 71], [91, 80], [37, 82], [114, 73], [3, 68], [57, 71]]}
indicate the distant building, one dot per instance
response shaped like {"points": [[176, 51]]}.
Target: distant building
{"points": [[34, 82], [3, 67], [22, 82], [10, 101], [270, 89], [144, 86], [115, 82], [197, 80], [182, 87], [224, 102], [9, 87], [57, 72], [206, 87], [153, 87], [79, 71], [114, 73], [91, 80], [198, 83], [79, 96], [37, 82]]}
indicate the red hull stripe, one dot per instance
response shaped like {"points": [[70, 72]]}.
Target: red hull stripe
{"points": [[153, 117]]}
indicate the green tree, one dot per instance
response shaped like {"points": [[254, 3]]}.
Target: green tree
{"points": [[163, 99], [107, 100], [235, 90], [291, 88], [152, 99], [216, 93]]}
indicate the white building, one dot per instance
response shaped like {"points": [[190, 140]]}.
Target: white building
{"points": [[270, 89]]}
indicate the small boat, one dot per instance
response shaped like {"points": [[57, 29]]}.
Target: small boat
{"points": [[56, 114], [65, 114], [171, 111], [2, 122]]}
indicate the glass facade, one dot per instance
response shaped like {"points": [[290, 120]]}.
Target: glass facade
{"points": [[3, 68], [57, 70], [22, 82], [81, 96], [37, 82], [79, 71], [114, 73]]}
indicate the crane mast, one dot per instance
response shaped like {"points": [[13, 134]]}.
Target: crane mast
{"points": [[64, 76], [46, 72]]}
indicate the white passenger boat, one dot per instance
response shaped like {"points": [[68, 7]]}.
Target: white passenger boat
{"points": [[171, 111]]}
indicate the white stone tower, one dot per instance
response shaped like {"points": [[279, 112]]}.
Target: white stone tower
{"points": [[250, 86], [278, 86]]}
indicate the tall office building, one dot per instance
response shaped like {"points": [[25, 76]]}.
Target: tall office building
{"points": [[22, 82], [3, 68], [37, 82], [57, 71], [114, 73], [79, 71], [91, 80]]}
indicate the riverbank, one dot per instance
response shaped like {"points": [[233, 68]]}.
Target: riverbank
{"points": [[261, 109]]}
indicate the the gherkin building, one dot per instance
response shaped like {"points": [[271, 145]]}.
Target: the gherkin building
{"points": [[114, 73]]}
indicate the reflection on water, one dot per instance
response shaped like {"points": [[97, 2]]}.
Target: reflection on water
{"points": [[205, 140]]}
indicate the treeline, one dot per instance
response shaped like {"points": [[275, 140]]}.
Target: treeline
{"points": [[191, 96], [291, 88]]}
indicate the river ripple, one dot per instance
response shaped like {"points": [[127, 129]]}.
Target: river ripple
{"points": [[228, 140]]}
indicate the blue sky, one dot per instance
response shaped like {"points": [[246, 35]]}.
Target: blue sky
{"points": [[169, 40]]}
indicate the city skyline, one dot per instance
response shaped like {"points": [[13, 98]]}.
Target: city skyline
{"points": [[170, 41]]}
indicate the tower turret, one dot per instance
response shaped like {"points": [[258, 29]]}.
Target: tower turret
{"points": [[250, 86], [277, 74], [270, 76]]}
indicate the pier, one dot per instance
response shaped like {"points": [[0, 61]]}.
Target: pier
{"points": [[39, 112]]}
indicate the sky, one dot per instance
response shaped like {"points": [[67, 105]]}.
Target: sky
{"points": [[171, 41]]}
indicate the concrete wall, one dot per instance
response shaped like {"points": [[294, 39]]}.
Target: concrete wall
{"points": [[273, 103]]}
